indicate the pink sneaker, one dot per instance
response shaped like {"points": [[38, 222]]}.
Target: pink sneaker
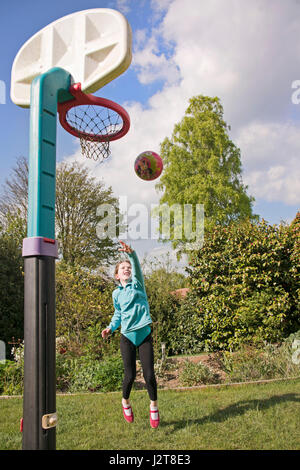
{"points": [[154, 418], [128, 413]]}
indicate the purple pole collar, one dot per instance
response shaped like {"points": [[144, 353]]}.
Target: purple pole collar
{"points": [[40, 246]]}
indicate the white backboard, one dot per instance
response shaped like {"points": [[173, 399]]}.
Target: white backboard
{"points": [[93, 45]]}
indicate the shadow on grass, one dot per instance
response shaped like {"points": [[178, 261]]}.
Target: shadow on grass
{"points": [[234, 410]]}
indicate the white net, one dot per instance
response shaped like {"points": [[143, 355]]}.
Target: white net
{"points": [[92, 123]]}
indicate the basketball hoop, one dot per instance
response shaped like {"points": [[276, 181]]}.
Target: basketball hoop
{"points": [[95, 121]]}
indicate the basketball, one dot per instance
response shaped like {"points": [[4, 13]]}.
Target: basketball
{"points": [[148, 166]]}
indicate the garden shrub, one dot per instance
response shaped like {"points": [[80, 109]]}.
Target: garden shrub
{"points": [[269, 362], [197, 374], [11, 378], [86, 374], [83, 303], [110, 374], [184, 334], [12, 290], [160, 281], [95, 347]]}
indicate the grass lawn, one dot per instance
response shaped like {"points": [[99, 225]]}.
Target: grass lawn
{"points": [[261, 417]]}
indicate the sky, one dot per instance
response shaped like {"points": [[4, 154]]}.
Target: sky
{"points": [[246, 53]]}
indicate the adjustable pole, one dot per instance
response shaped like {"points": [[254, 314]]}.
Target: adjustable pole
{"points": [[39, 252]]}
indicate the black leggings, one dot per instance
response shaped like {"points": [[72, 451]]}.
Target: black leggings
{"points": [[146, 355]]}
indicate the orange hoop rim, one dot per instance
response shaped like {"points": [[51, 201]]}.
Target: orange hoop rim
{"points": [[81, 98]]}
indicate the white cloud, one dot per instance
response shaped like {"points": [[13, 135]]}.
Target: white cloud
{"points": [[244, 52], [151, 64], [160, 5], [140, 37], [123, 6], [269, 143], [270, 157], [277, 184]]}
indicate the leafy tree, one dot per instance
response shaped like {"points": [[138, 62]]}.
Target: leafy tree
{"points": [[203, 166], [14, 198], [295, 260], [77, 198]]}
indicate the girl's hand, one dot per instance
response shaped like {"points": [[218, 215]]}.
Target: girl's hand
{"points": [[125, 248], [105, 333]]}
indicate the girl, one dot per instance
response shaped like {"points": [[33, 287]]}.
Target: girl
{"points": [[132, 313]]}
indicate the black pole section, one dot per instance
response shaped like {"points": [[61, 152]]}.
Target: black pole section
{"points": [[39, 352]]}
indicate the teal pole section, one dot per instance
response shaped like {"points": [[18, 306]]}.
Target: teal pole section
{"points": [[45, 92]]}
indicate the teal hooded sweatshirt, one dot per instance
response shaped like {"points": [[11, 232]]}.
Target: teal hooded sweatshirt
{"points": [[131, 302]]}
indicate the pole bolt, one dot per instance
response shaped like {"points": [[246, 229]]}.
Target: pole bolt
{"points": [[49, 421]]}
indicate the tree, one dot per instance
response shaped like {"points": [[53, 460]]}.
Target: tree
{"points": [[203, 166], [77, 198], [245, 287], [14, 198], [12, 290]]}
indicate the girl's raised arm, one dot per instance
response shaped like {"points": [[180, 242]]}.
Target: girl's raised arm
{"points": [[136, 267]]}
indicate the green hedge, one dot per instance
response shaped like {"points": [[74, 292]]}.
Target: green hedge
{"points": [[12, 291], [73, 374]]}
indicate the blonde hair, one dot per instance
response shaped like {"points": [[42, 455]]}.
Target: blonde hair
{"points": [[117, 266]]}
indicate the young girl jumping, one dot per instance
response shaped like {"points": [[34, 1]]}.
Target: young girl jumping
{"points": [[132, 313]]}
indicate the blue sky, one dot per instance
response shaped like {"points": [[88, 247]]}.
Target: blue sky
{"points": [[246, 53]]}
